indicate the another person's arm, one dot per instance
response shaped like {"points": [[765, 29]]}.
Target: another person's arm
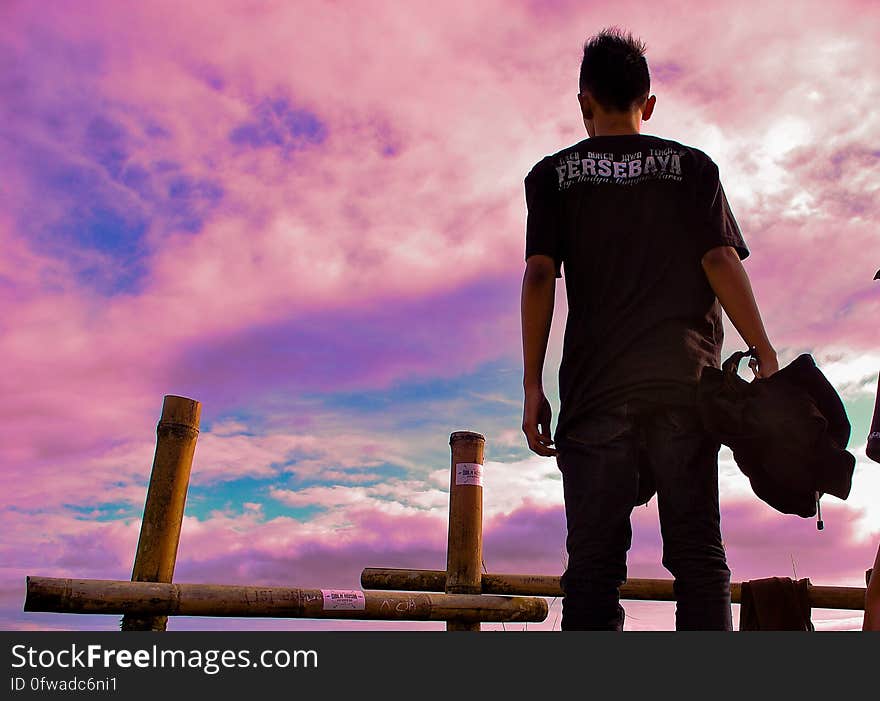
{"points": [[872, 598], [730, 282], [538, 292]]}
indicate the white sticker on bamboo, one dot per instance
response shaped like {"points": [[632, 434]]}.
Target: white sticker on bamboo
{"points": [[469, 473], [343, 599]]}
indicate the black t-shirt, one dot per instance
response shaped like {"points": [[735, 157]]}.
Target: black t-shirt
{"points": [[629, 217]]}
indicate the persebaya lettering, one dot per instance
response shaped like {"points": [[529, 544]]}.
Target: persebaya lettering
{"points": [[606, 167]]}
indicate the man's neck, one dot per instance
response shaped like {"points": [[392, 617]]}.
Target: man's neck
{"points": [[616, 129]]}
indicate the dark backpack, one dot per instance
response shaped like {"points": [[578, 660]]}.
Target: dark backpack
{"points": [[788, 432]]}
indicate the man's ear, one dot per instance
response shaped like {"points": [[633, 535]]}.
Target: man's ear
{"points": [[649, 108], [586, 106], [587, 113]]}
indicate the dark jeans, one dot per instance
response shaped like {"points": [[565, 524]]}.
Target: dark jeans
{"points": [[599, 464]]}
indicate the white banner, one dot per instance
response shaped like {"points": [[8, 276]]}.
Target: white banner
{"points": [[469, 473]]}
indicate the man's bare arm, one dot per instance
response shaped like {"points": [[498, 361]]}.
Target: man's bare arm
{"points": [[731, 285], [538, 295]]}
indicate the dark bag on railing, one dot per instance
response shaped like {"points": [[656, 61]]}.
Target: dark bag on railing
{"points": [[775, 603]]}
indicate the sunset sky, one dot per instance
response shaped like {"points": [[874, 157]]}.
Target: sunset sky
{"points": [[309, 216]]}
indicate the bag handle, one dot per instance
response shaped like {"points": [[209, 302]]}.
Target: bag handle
{"points": [[731, 365]]}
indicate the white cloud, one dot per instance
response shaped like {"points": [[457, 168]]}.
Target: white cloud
{"points": [[852, 375]]}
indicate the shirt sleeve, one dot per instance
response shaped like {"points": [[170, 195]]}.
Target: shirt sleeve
{"points": [[716, 223], [543, 231]]}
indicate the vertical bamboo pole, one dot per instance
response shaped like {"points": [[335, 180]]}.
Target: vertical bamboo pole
{"points": [[176, 437], [464, 552]]}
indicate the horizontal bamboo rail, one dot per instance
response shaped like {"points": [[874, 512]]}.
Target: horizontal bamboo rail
{"points": [[546, 585], [105, 596]]}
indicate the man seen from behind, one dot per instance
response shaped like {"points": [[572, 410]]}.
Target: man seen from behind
{"points": [[651, 252]]}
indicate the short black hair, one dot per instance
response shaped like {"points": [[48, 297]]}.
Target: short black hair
{"points": [[614, 69]]}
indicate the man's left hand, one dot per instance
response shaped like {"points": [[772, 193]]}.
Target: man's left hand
{"points": [[536, 423]]}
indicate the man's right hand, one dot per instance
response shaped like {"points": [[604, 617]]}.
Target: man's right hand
{"points": [[765, 364]]}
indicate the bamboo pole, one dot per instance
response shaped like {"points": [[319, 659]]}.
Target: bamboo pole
{"points": [[852, 598], [176, 436], [464, 552], [149, 599]]}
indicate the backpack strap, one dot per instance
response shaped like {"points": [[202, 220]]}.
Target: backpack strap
{"points": [[730, 367]]}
